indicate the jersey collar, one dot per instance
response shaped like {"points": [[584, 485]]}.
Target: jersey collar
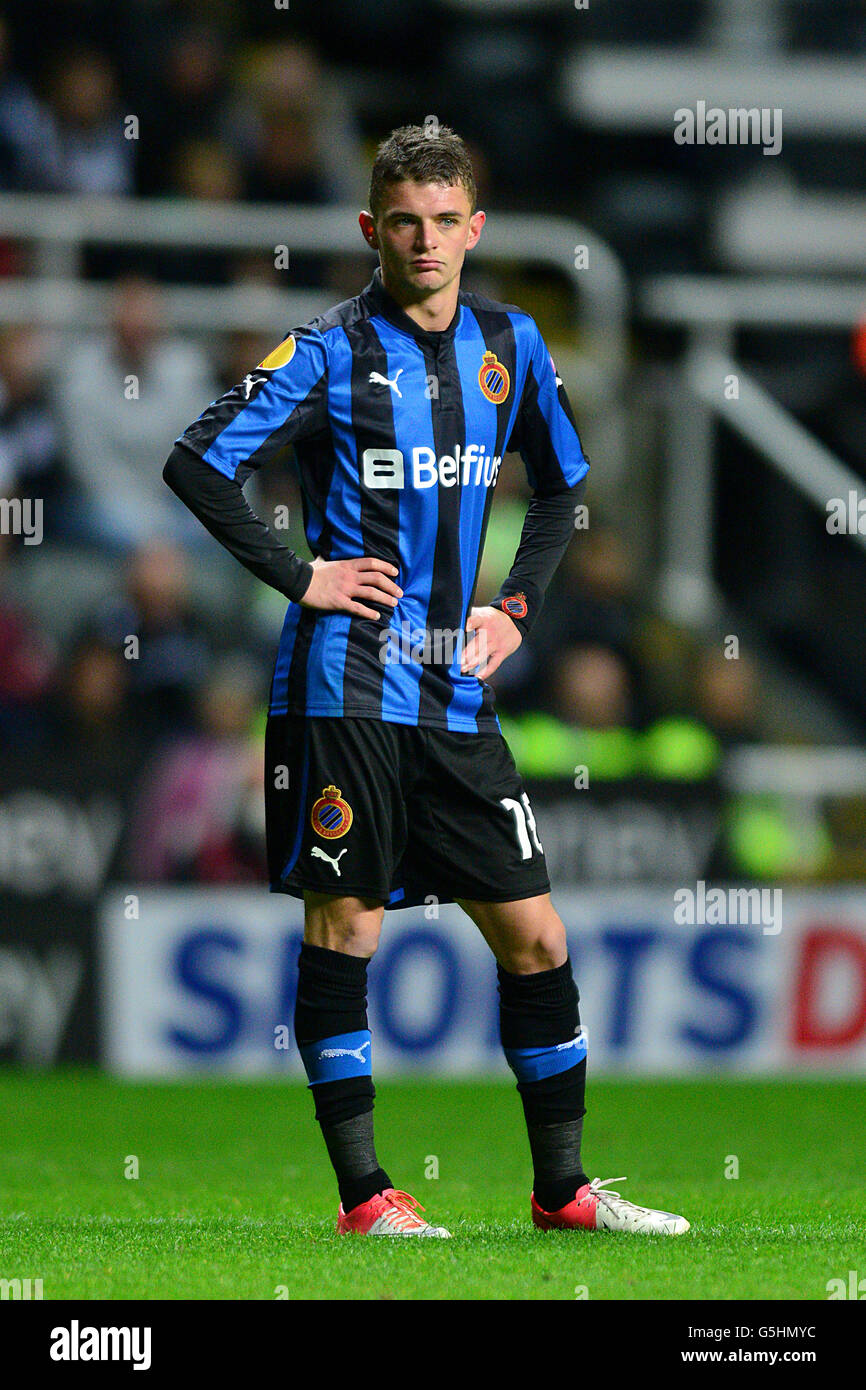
{"points": [[381, 302]]}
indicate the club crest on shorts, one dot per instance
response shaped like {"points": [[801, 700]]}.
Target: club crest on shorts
{"points": [[331, 816], [493, 378], [515, 606]]}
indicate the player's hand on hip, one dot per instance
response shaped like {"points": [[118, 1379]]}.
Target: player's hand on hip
{"points": [[342, 586], [494, 637]]}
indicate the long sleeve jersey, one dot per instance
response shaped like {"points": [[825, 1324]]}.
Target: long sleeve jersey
{"points": [[398, 436]]}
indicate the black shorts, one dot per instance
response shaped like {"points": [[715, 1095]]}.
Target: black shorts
{"points": [[396, 812]]}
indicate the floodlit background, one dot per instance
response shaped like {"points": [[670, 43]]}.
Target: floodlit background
{"points": [[180, 186]]}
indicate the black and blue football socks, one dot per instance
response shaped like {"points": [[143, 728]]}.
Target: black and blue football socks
{"points": [[335, 1045], [540, 1030]]}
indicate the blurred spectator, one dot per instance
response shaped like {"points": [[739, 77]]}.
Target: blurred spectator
{"points": [[27, 155], [588, 725], [89, 715], [591, 728], [764, 835], [26, 666], [301, 144], [297, 140], [726, 696], [122, 400], [172, 649], [599, 580], [200, 817], [203, 170], [30, 460], [90, 151], [592, 602], [188, 101], [592, 688]]}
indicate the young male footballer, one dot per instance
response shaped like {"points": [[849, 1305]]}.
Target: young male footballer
{"points": [[387, 777]]}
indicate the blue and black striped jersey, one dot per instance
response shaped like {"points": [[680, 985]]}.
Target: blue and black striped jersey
{"points": [[398, 435]]}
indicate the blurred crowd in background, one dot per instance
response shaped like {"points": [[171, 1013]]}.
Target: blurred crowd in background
{"points": [[237, 102]]}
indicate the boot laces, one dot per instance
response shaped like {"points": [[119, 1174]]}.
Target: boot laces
{"points": [[614, 1201], [403, 1214]]}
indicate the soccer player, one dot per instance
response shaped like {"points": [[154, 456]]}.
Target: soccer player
{"points": [[387, 778]]}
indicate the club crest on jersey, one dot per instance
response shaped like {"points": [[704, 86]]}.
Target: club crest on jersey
{"points": [[281, 355], [515, 606], [331, 816], [493, 378]]}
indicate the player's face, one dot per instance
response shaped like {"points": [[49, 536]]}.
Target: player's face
{"points": [[422, 234]]}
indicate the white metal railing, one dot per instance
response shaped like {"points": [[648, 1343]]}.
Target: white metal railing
{"points": [[801, 772], [697, 302], [687, 589], [640, 88], [808, 465], [712, 309], [792, 229], [71, 304], [59, 227]]}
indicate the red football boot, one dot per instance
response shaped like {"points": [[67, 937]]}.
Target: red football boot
{"points": [[597, 1209], [389, 1213]]}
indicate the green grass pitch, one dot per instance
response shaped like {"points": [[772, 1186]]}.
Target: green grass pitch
{"points": [[234, 1198]]}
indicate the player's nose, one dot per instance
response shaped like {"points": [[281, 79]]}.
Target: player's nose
{"points": [[426, 238]]}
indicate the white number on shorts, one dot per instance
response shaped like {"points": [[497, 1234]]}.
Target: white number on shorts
{"points": [[523, 818]]}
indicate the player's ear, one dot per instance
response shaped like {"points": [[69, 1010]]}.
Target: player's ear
{"points": [[368, 229], [476, 222]]}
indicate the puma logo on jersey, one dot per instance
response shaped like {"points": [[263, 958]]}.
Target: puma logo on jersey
{"points": [[320, 854], [356, 1052], [377, 379], [250, 380]]}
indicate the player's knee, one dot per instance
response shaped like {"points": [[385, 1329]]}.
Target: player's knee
{"points": [[530, 958], [348, 925], [352, 938], [541, 946]]}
